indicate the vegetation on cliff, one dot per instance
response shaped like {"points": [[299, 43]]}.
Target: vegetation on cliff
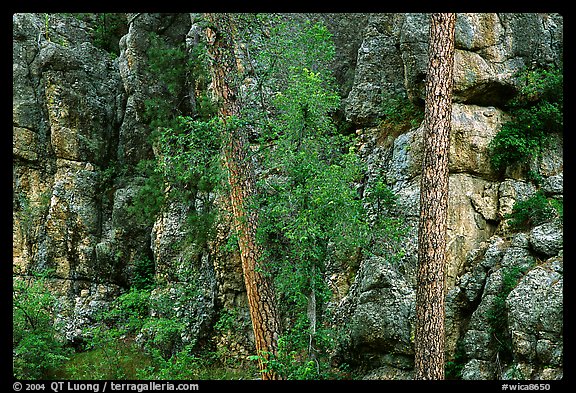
{"points": [[121, 198]]}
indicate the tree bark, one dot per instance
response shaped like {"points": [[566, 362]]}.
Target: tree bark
{"points": [[259, 289], [430, 292]]}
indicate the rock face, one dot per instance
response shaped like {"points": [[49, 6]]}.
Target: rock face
{"points": [[490, 49], [67, 107], [79, 132], [78, 135]]}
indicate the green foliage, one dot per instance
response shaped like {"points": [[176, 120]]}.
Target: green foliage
{"points": [[112, 354], [143, 274], [189, 153], [163, 335], [541, 85], [558, 206], [227, 320], [305, 105], [310, 208], [381, 196], [400, 113], [454, 367], [282, 47], [533, 211], [186, 167], [35, 342], [128, 312], [199, 76], [304, 354], [175, 69], [150, 198], [309, 192], [189, 161], [168, 63], [113, 358], [536, 112], [189, 364], [110, 27]]}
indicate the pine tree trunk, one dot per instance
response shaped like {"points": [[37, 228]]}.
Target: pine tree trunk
{"points": [[430, 293], [261, 299]]}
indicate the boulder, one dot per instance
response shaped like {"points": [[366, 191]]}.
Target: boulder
{"points": [[535, 315], [547, 239]]}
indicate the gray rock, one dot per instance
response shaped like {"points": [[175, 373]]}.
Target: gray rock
{"points": [[378, 66], [518, 255], [385, 310], [379, 316], [490, 49], [554, 184], [535, 314], [547, 239], [479, 370]]}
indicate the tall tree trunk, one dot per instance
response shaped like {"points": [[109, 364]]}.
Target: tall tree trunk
{"points": [[261, 299], [430, 292]]}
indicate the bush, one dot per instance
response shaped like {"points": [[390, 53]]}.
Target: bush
{"points": [[400, 113], [108, 29], [113, 358], [536, 112], [36, 345], [533, 211], [149, 199], [143, 275], [128, 312]]}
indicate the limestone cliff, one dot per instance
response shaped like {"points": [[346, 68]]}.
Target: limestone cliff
{"points": [[80, 130]]}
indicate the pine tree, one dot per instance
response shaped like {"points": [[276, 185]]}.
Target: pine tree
{"points": [[261, 299], [430, 293]]}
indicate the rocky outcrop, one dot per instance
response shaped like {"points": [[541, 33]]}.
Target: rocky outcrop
{"points": [[490, 49], [528, 311], [79, 132], [535, 315], [67, 107]]}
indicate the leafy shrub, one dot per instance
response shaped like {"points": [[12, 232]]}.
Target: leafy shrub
{"points": [[143, 274], [536, 112], [533, 211], [111, 358], [454, 367], [168, 63], [150, 198], [304, 352], [400, 113], [163, 335], [35, 342], [108, 29], [177, 72], [310, 208], [128, 312]]}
